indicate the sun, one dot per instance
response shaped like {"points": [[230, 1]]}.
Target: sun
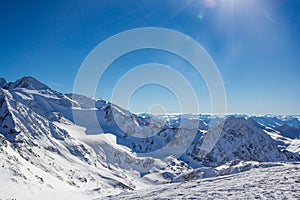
{"points": [[215, 3]]}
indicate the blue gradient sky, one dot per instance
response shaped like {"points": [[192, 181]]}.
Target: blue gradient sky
{"points": [[255, 44]]}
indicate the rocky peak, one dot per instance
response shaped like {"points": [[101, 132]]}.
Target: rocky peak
{"points": [[27, 82], [239, 122], [3, 83]]}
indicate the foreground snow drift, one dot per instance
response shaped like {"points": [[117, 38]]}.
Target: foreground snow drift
{"points": [[280, 182]]}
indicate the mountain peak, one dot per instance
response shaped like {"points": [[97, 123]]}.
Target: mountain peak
{"points": [[3, 83], [233, 121], [28, 82]]}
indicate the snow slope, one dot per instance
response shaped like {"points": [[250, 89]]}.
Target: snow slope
{"points": [[280, 182]]}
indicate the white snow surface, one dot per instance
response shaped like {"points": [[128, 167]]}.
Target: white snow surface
{"points": [[280, 182]]}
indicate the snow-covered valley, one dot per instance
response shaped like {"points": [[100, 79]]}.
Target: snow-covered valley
{"points": [[55, 145]]}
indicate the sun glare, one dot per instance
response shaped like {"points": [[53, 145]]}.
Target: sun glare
{"points": [[216, 3]]}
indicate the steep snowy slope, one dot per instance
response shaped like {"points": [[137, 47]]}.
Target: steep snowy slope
{"points": [[288, 131]]}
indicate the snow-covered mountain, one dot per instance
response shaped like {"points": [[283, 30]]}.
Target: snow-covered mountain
{"points": [[43, 148], [241, 139], [51, 141]]}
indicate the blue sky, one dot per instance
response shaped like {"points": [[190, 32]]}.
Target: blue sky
{"points": [[255, 44]]}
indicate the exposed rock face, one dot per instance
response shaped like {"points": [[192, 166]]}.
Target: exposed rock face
{"points": [[3, 83]]}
